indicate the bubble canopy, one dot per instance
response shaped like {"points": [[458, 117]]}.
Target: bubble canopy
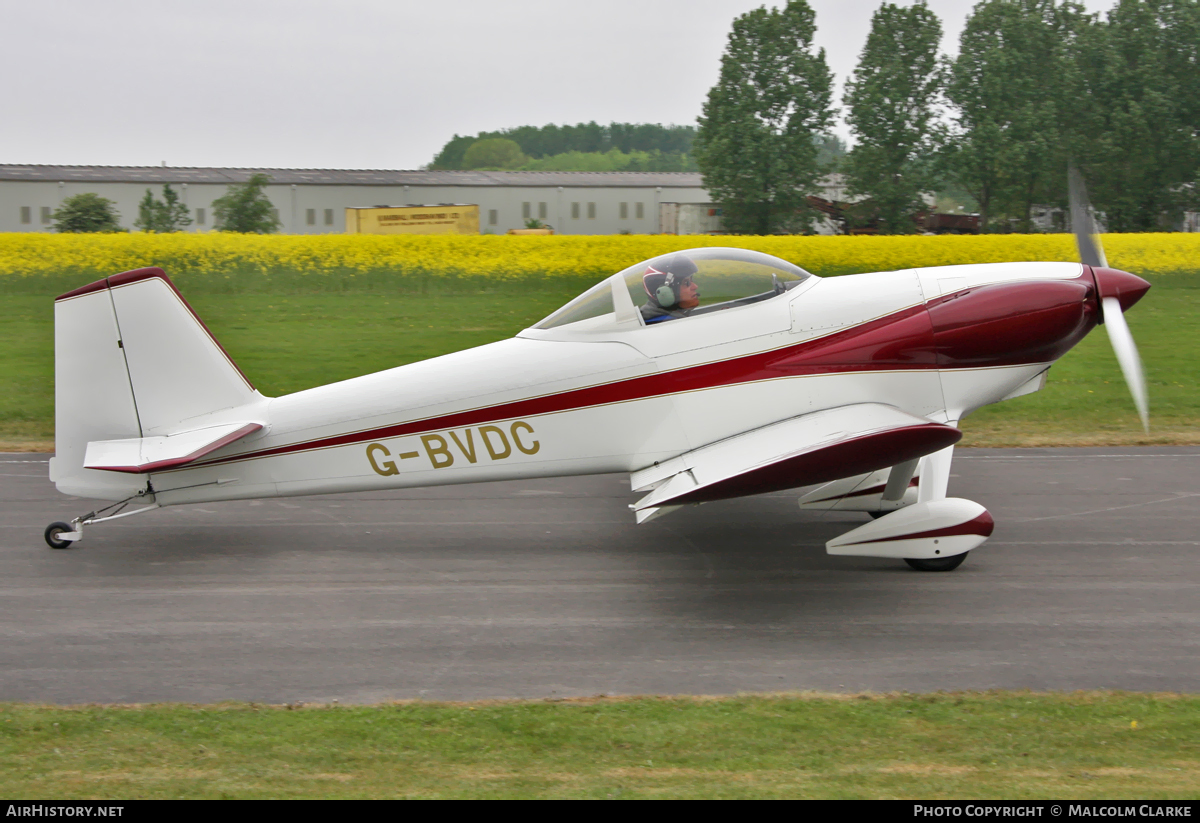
{"points": [[697, 281]]}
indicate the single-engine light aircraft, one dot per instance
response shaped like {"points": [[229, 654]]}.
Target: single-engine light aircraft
{"points": [[706, 374]]}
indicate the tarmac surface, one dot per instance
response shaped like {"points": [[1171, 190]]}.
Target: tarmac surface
{"points": [[548, 589]]}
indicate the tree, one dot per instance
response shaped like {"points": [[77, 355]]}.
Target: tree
{"points": [[166, 215], [892, 101], [655, 160], [831, 151], [451, 155], [88, 212], [612, 160], [1139, 140], [246, 209], [1006, 87], [494, 153], [755, 145], [541, 142], [147, 213]]}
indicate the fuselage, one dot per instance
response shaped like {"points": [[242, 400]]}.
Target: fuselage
{"points": [[935, 342]]}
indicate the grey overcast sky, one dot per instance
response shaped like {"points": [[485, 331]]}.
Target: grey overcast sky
{"points": [[362, 84]]}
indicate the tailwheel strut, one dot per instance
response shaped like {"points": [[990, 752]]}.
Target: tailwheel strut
{"points": [[60, 535]]}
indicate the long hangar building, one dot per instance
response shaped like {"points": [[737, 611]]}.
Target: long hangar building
{"points": [[313, 201]]}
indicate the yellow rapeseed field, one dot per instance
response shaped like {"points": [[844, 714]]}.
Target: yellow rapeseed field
{"points": [[30, 255]]}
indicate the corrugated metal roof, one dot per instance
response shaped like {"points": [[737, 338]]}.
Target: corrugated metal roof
{"points": [[350, 177]]}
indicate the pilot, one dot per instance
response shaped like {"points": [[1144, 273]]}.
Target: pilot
{"points": [[671, 289]]}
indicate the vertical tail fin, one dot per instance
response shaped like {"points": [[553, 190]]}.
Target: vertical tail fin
{"points": [[132, 360], [176, 367]]}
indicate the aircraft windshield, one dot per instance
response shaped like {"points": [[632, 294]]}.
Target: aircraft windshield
{"points": [[681, 284]]}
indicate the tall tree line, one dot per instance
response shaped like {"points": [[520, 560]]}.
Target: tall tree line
{"points": [[1040, 83], [540, 142], [1009, 93], [1036, 84], [891, 104], [1133, 111], [757, 144]]}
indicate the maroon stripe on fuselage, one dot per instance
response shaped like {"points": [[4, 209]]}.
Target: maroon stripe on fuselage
{"points": [[902, 340], [905, 340], [768, 365]]}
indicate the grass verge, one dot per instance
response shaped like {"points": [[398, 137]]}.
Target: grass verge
{"points": [[1013, 745], [294, 340]]}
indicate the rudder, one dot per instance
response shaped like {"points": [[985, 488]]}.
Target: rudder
{"points": [[132, 360], [176, 367]]}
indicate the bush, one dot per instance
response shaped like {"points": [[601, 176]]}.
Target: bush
{"points": [[87, 213]]}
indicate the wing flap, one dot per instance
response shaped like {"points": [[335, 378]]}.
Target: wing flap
{"points": [[812, 448], [147, 454]]}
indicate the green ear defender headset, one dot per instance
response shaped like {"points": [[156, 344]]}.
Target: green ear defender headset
{"points": [[665, 295]]}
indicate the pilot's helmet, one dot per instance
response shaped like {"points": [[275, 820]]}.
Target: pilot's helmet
{"points": [[664, 276]]}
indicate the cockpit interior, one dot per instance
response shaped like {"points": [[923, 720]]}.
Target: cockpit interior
{"points": [[676, 286]]}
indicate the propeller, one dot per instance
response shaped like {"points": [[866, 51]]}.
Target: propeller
{"points": [[1112, 285]]}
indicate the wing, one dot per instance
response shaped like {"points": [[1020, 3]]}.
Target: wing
{"points": [[812, 448]]}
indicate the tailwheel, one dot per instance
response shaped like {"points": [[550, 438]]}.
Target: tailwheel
{"points": [[54, 530], [937, 564], [60, 535]]}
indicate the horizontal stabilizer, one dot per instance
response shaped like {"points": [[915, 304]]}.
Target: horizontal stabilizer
{"points": [[147, 454], [813, 448]]}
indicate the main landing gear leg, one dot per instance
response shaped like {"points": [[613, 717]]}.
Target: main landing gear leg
{"points": [[60, 535], [932, 535]]}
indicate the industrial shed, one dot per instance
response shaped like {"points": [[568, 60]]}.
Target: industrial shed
{"points": [[313, 201]]}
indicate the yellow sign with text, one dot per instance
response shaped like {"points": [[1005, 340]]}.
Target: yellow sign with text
{"points": [[456, 219], [469, 445]]}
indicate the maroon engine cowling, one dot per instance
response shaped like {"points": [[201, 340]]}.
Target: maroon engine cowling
{"points": [[1004, 324], [1008, 324]]}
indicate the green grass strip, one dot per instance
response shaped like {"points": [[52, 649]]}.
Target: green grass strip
{"points": [[1011, 745]]}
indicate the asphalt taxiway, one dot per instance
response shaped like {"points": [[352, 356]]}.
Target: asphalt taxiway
{"points": [[548, 589]]}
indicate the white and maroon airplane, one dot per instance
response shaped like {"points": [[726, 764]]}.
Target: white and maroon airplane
{"points": [[706, 374]]}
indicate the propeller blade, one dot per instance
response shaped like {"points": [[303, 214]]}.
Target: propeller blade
{"points": [[1091, 253], [1127, 355]]}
